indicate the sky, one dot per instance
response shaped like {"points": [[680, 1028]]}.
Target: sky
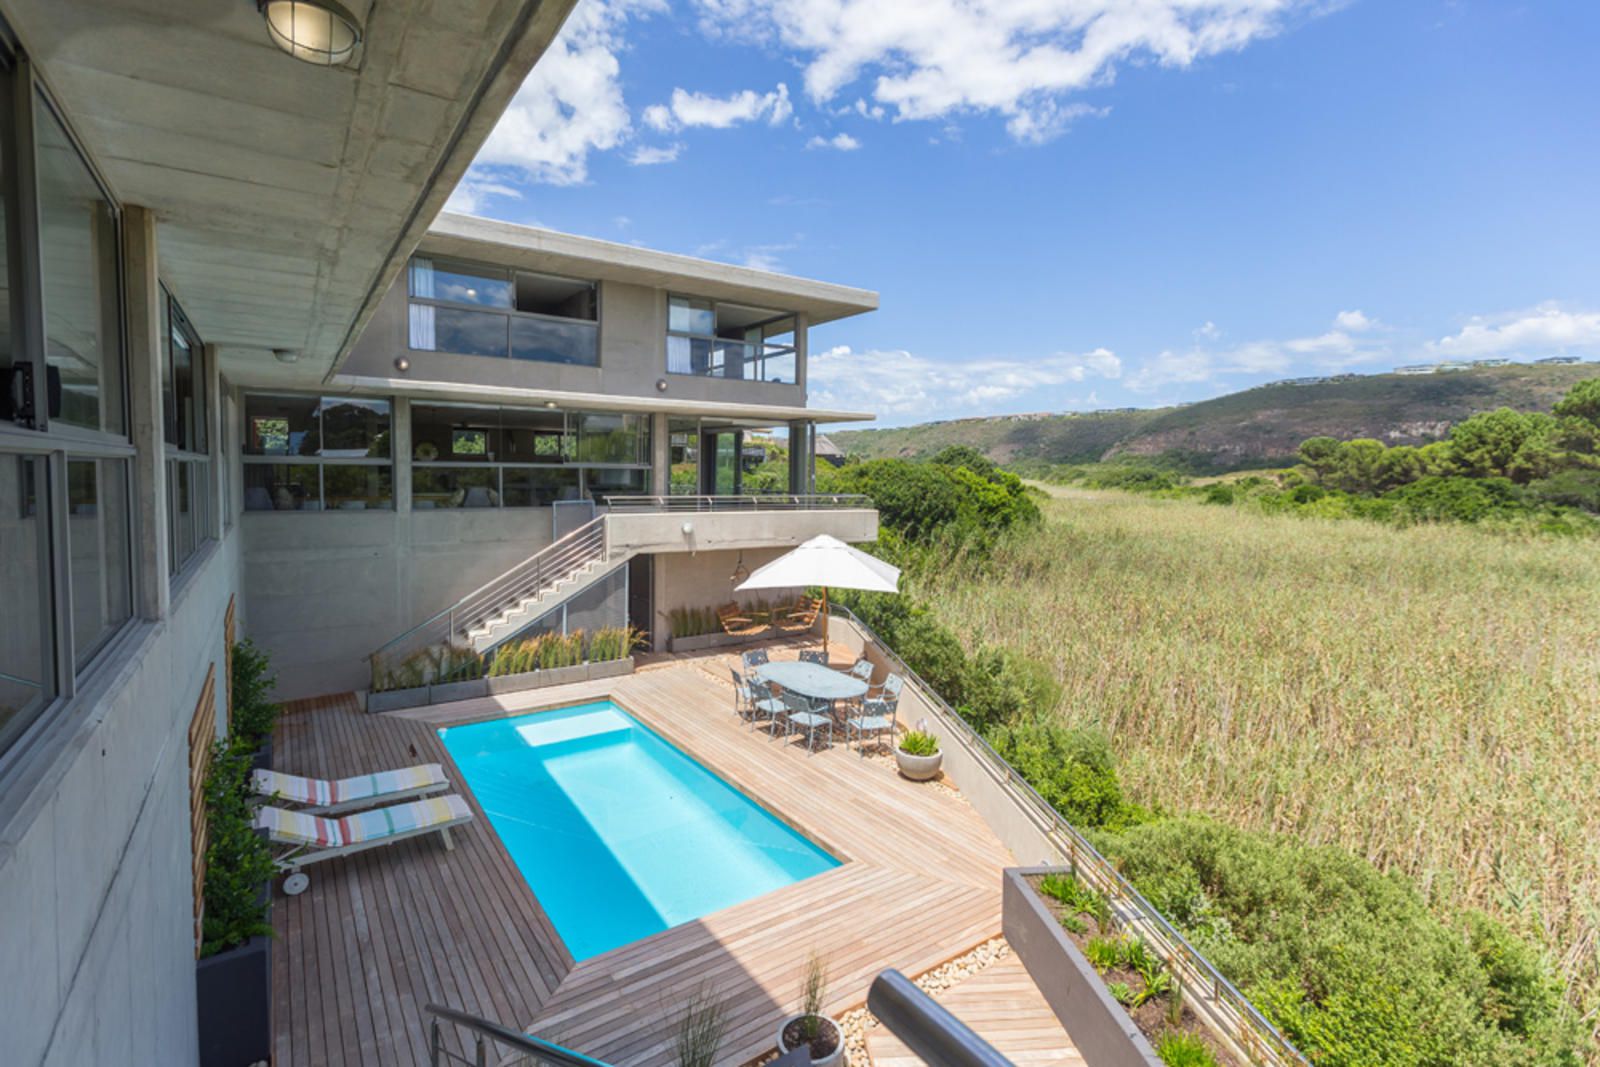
{"points": [[1069, 205]]}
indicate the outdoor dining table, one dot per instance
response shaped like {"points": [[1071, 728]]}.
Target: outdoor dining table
{"points": [[812, 680]]}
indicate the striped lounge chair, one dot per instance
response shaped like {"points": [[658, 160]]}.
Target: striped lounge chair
{"points": [[304, 839], [319, 796]]}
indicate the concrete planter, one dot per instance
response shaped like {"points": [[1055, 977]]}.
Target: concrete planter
{"points": [[918, 768], [395, 699], [834, 1059], [516, 683], [1101, 1028], [446, 692], [610, 668], [261, 760], [233, 991], [567, 675], [700, 642]]}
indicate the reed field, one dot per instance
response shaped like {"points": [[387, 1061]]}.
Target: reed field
{"points": [[1427, 697]]}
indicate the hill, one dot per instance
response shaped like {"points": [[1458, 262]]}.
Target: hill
{"points": [[1256, 427]]}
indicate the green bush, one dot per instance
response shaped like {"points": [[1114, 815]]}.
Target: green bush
{"points": [[238, 860], [1177, 1049], [1348, 962], [936, 504], [1456, 499], [1071, 769], [254, 714]]}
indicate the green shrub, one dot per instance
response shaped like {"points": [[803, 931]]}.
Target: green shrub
{"points": [[1076, 897], [1455, 499], [1348, 962], [1183, 1050], [613, 642], [1103, 953], [917, 743], [693, 622], [238, 860], [1072, 769], [254, 713]]}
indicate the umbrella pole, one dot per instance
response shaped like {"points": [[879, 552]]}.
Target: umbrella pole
{"points": [[824, 622]]}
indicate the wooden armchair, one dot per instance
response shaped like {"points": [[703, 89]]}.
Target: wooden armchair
{"points": [[736, 622], [798, 617]]}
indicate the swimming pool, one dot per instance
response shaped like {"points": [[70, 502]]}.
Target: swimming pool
{"points": [[619, 834]]}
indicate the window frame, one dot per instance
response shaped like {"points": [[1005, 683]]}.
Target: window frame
{"points": [[719, 370], [508, 274], [196, 466], [248, 459]]}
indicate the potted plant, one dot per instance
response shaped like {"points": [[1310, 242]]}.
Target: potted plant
{"points": [[810, 1027], [918, 755], [233, 977], [701, 1028], [254, 716]]}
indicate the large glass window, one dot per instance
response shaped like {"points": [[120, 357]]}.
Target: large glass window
{"points": [[97, 536], [475, 310], [341, 447], [714, 339], [78, 270], [184, 385], [465, 456]]}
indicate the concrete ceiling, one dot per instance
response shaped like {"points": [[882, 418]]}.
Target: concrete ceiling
{"points": [[288, 195]]}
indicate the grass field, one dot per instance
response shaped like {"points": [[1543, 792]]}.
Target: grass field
{"points": [[1429, 698]]}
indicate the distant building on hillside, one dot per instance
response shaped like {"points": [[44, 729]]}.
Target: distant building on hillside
{"points": [[828, 452], [1490, 362], [1558, 360], [1453, 365], [1417, 368]]}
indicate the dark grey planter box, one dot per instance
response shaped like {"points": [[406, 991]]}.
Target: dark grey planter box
{"points": [[445, 692], [233, 990], [516, 683], [395, 699], [1101, 1028], [262, 759], [566, 675], [611, 668], [701, 642]]}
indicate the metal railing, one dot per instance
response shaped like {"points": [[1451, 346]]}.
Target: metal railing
{"points": [[532, 577], [1209, 992], [485, 1032], [927, 1027], [628, 505]]}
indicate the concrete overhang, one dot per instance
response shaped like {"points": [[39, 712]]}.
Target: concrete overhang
{"points": [[508, 244], [289, 195], [483, 394]]}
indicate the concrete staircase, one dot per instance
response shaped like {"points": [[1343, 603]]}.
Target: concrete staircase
{"points": [[506, 623]]}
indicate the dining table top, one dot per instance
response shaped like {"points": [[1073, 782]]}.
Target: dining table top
{"points": [[811, 679]]}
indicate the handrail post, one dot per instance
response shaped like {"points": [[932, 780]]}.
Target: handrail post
{"points": [[483, 1052]]}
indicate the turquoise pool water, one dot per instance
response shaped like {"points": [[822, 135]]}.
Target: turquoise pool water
{"points": [[619, 834]]}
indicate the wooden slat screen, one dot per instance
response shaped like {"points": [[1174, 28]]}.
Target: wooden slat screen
{"points": [[202, 735]]}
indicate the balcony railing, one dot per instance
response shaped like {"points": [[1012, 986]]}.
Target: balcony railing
{"points": [[1206, 990], [637, 505], [751, 361]]}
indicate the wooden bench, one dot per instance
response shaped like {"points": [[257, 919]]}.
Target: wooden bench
{"points": [[737, 622]]}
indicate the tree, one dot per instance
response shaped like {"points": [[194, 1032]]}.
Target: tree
{"points": [[1356, 465], [965, 456], [1504, 443], [1581, 402], [1320, 455]]}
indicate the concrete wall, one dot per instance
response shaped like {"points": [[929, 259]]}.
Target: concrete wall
{"points": [[97, 935], [705, 579], [715, 531], [633, 356]]}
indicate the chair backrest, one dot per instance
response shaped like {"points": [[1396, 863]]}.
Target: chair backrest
{"points": [[814, 657], [754, 658], [862, 670], [739, 688], [796, 702]]}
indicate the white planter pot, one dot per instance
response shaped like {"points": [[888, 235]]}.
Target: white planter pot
{"points": [[835, 1059], [918, 768]]}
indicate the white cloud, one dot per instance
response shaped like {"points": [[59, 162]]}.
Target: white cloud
{"points": [[720, 112], [570, 105], [841, 141], [1354, 339], [896, 382], [472, 193], [1543, 330], [649, 155], [1019, 59]]}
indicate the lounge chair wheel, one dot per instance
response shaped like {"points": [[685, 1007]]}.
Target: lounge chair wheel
{"points": [[296, 883]]}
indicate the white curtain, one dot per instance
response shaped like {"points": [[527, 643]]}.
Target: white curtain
{"points": [[422, 315]]}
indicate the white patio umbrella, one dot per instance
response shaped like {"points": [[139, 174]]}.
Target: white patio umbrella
{"points": [[826, 561]]}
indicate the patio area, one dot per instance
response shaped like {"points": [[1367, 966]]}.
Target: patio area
{"points": [[379, 935]]}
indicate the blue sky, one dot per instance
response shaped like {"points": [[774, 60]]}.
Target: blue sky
{"points": [[1085, 203]]}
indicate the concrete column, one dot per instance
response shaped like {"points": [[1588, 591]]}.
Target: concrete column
{"points": [[660, 456], [802, 350], [141, 271]]}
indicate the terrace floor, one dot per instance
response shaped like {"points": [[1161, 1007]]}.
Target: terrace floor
{"points": [[380, 934]]}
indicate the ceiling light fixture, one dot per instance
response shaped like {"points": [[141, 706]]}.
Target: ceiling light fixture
{"points": [[322, 32], [286, 355], [550, 404]]}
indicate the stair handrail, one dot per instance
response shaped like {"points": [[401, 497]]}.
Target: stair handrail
{"points": [[570, 546], [483, 1029]]}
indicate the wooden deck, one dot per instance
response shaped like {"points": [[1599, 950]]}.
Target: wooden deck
{"points": [[1006, 1009], [379, 935]]}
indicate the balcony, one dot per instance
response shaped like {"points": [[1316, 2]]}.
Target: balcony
{"points": [[708, 523]]}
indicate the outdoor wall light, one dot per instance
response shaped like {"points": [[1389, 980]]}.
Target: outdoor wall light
{"points": [[661, 385], [688, 529], [315, 31], [551, 404], [402, 364], [286, 355]]}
